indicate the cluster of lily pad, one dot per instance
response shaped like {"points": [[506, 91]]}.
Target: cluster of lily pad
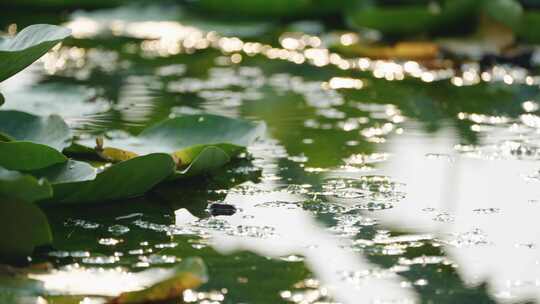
{"points": [[390, 17], [42, 163], [395, 17]]}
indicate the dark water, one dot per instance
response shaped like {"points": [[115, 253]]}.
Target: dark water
{"points": [[377, 181]]}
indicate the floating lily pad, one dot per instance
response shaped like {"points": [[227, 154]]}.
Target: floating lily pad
{"points": [[30, 142], [508, 12], [412, 19], [209, 159], [24, 226], [529, 25], [126, 179], [262, 8], [28, 46], [272, 9], [22, 187], [25, 156], [47, 130], [23, 223], [185, 138], [68, 172], [69, 101]]}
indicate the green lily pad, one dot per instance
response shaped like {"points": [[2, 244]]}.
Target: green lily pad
{"points": [[412, 19], [126, 179], [22, 222], [529, 25], [185, 138], [22, 187], [208, 159], [28, 46], [25, 227], [260, 8], [25, 156], [508, 12], [68, 172], [30, 142], [48, 130]]}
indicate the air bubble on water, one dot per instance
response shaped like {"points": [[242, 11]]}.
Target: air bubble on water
{"points": [[322, 207], [81, 223], [475, 237], [360, 277], [308, 291], [252, 231], [157, 259], [118, 230], [444, 217], [424, 260], [363, 159], [100, 260], [166, 245], [109, 241], [301, 158], [59, 254], [79, 254], [486, 210], [206, 297], [280, 204], [371, 191], [136, 251], [439, 156]]}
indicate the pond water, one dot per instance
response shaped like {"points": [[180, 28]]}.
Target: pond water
{"points": [[376, 182]]}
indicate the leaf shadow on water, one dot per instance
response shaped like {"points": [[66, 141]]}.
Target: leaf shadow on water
{"points": [[78, 228], [156, 207]]}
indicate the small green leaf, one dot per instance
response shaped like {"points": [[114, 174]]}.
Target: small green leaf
{"points": [[28, 46], [23, 187], [24, 227], [206, 160], [126, 179], [25, 156], [48, 130]]}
